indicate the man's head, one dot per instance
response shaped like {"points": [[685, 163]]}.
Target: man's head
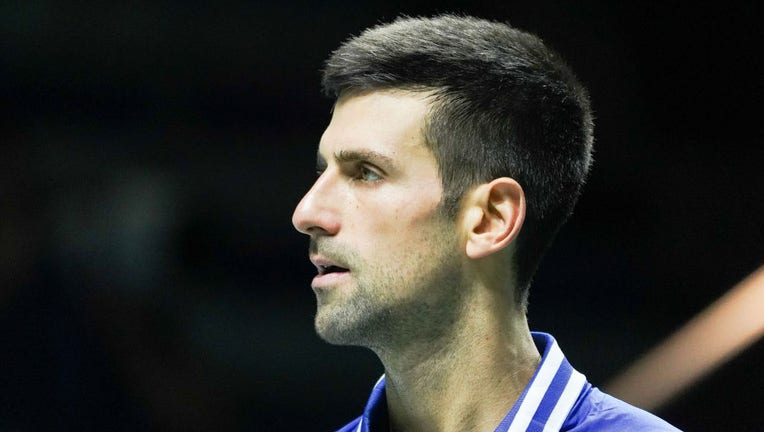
{"points": [[502, 105], [448, 135]]}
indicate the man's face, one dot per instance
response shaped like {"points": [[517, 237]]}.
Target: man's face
{"points": [[388, 260]]}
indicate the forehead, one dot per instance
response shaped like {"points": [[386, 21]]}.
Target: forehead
{"points": [[389, 122]]}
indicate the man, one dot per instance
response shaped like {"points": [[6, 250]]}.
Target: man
{"points": [[456, 150]]}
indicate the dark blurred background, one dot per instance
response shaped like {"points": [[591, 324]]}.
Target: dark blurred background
{"points": [[152, 153]]}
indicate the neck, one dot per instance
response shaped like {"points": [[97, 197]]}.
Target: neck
{"points": [[467, 378]]}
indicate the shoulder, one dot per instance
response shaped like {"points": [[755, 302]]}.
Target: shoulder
{"points": [[350, 427], [597, 411]]}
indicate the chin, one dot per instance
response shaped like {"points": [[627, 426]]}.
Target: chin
{"points": [[337, 338], [332, 332], [338, 329]]}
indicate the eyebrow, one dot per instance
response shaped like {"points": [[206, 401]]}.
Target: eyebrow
{"points": [[344, 156], [356, 155]]}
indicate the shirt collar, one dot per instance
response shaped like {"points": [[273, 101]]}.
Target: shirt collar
{"points": [[376, 408], [550, 396], [543, 406]]}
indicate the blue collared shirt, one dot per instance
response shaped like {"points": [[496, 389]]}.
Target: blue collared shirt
{"points": [[558, 398]]}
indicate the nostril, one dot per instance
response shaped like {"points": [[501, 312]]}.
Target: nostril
{"points": [[321, 225]]}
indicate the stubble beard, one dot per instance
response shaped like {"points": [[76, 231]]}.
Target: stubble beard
{"points": [[388, 308]]}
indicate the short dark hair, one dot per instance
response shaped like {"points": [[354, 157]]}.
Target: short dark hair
{"points": [[504, 105]]}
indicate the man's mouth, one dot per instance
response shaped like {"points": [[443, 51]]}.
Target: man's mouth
{"points": [[328, 269], [331, 272]]}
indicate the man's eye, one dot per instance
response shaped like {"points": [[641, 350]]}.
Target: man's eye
{"points": [[368, 175]]}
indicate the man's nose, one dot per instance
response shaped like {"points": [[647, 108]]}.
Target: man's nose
{"points": [[316, 213]]}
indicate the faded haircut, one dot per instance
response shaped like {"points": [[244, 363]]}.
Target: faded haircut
{"points": [[503, 105]]}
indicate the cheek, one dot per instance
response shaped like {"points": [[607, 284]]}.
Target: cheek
{"points": [[401, 233], [396, 224], [417, 210], [413, 243]]}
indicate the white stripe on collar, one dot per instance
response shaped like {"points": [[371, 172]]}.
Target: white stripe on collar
{"points": [[565, 403], [537, 390]]}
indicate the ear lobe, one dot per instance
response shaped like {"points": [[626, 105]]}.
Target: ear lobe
{"points": [[494, 216]]}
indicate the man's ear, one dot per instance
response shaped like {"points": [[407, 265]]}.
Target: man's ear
{"points": [[493, 215]]}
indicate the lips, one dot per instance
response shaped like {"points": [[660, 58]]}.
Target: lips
{"points": [[327, 265], [322, 270], [329, 271]]}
